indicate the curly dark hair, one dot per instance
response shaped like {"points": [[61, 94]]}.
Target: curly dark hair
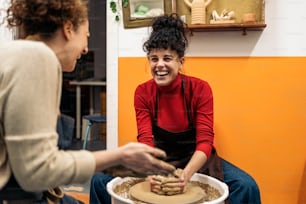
{"points": [[168, 32], [44, 17]]}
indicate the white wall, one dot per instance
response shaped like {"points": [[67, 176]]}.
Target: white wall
{"points": [[285, 35], [285, 31], [5, 33]]}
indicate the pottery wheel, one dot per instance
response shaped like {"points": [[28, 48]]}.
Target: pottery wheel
{"points": [[141, 191]]}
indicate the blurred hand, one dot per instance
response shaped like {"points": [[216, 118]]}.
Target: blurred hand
{"points": [[143, 158]]}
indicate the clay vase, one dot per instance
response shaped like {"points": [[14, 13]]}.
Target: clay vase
{"points": [[198, 10]]}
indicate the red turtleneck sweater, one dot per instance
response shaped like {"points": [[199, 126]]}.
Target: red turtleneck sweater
{"points": [[172, 110]]}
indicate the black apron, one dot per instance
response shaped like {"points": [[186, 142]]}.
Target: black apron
{"points": [[180, 146]]}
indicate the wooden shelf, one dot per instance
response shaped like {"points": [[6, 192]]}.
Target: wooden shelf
{"points": [[240, 8], [227, 27]]}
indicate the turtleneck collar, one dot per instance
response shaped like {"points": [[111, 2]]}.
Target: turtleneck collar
{"points": [[175, 84]]}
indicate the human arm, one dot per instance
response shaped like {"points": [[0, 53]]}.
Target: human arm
{"points": [[144, 108], [202, 106], [136, 156], [31, 111], [32, 82], [197, 160]]}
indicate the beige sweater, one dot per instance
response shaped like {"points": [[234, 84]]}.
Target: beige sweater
{"points": [[30, 91]]}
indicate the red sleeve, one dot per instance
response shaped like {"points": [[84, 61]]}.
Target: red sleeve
{"points": [[201, 98], [202, 103], [143, 108]]}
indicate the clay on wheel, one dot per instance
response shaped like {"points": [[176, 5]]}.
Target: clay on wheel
{"points": [[141, 191]]}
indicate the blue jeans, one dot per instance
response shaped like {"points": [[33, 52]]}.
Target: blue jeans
{"points": [[98, 193], [242, 187]]}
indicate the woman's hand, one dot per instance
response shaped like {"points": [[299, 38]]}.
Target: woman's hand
{"points": [[171, 184], [143, 158]]}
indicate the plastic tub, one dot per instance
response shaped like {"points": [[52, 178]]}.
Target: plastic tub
{"points": [[220, 186]]}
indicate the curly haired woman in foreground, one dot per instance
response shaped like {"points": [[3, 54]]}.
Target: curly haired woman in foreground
{"points": [[55, 35]]}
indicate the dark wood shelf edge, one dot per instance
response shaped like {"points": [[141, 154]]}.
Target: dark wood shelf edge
{"points": [[227, 27]]}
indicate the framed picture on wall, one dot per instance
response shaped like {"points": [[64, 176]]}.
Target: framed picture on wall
{"points": [[139, 13]]}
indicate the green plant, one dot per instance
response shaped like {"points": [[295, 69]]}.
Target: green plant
{"points": [[114, 5]]}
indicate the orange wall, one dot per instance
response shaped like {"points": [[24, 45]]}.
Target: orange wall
{"points": [[260, 116]]}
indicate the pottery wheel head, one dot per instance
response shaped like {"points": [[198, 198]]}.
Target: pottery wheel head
{"points": [[141, 191]]}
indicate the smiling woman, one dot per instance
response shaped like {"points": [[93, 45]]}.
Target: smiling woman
{"points": [[54, 36], [165, 65], [174, 112]]}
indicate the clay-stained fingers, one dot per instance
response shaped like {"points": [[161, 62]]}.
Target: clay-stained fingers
{"points": [[178, 173], [163, 180], [156, 187], [172, 185], [172, 189], [167, 191], [158, 179], [154, 183], [171, 180]]}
